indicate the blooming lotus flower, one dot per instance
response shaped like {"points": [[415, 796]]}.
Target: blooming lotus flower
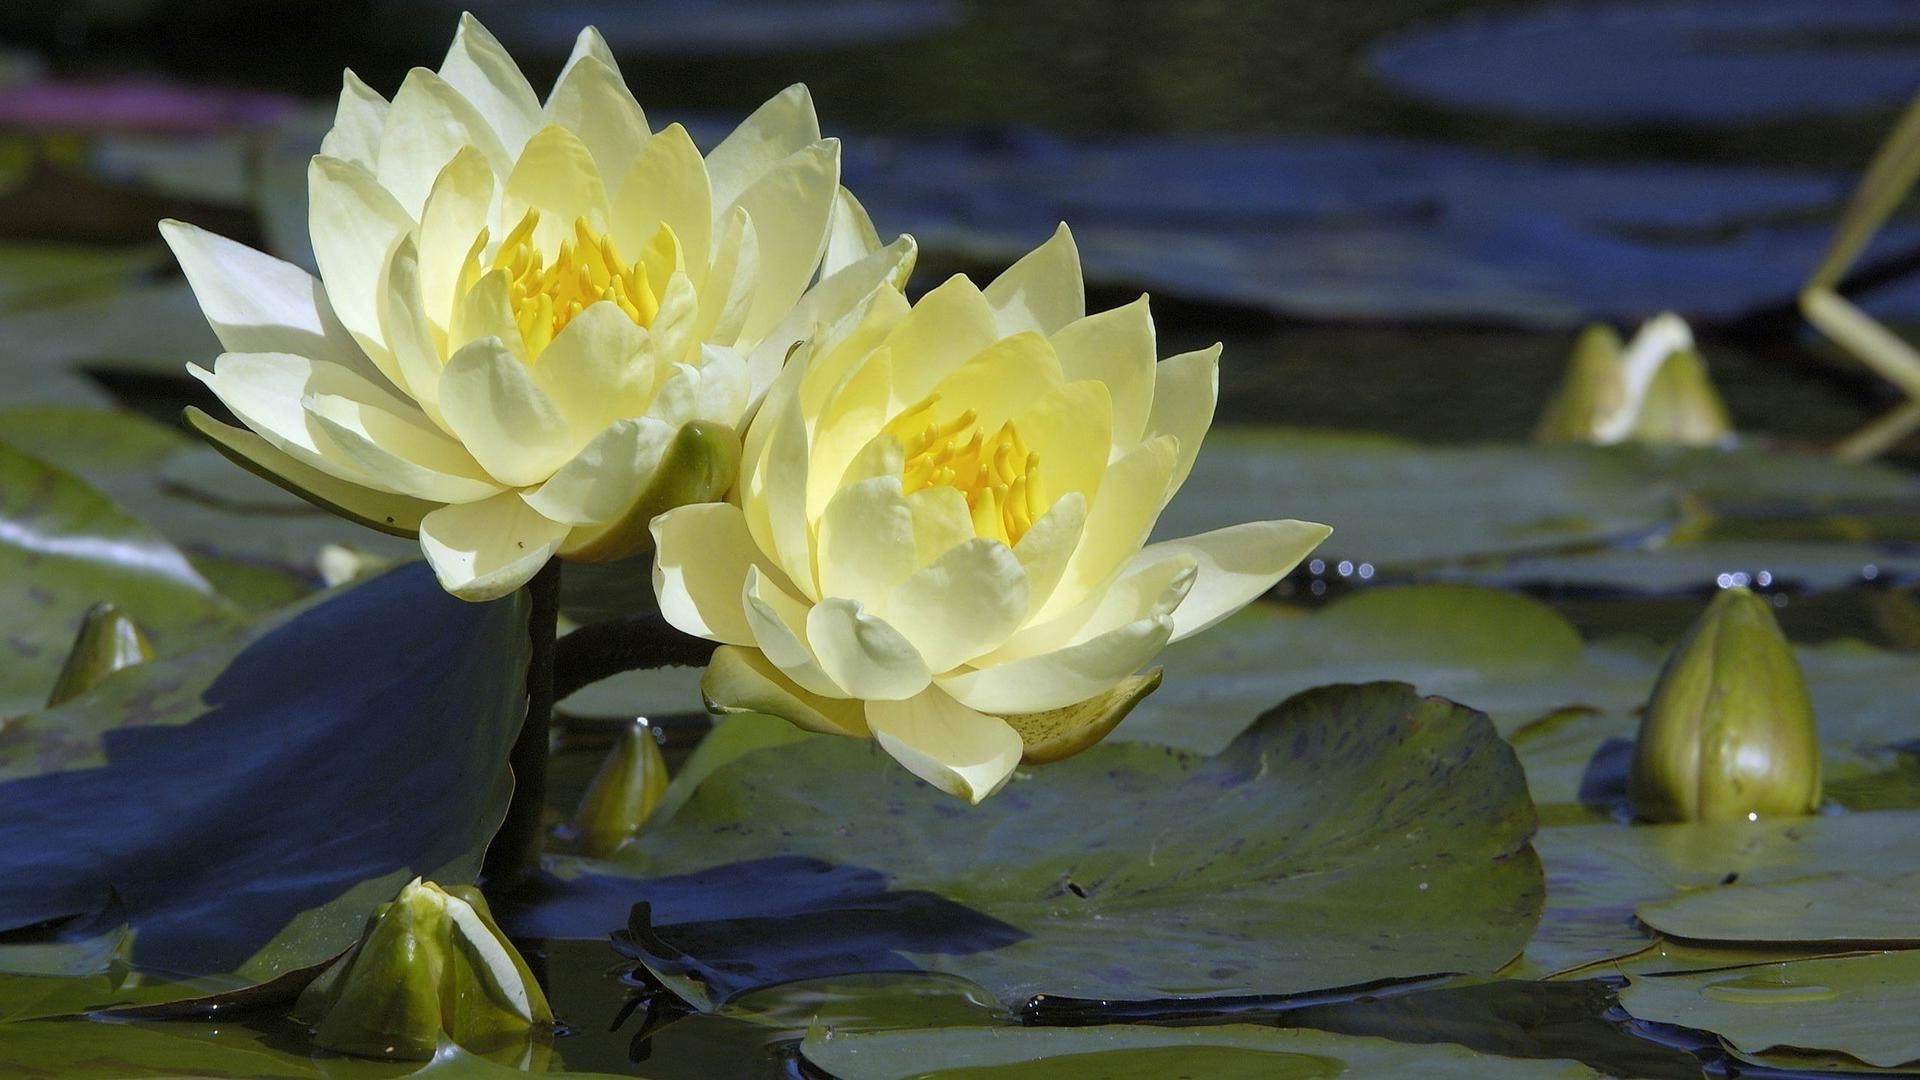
{"points": [[535, 325], [939, 538]]}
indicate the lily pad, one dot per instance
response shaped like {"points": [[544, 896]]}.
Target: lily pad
{"points": [[63, 548], [1854, 907], [1228, 1052], [1861, 1006], [1391, 842], [246, 805]]}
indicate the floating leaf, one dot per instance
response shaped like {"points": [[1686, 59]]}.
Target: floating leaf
{"points": [[1227, 1052], [1391, 842], [249, 804], [64, 548], [1852, 907], [1862, 1006]]}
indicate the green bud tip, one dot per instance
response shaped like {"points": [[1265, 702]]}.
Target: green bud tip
{"points": [[431, 964], [1729, 730], [623, 793], [107, 642]]}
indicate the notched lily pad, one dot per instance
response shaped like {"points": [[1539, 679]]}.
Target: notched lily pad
{"points": [[1354, 834], [1861, 1006]]}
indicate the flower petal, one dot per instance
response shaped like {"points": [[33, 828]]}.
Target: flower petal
{"points": [[790, 206], [486, 311], [509, 425], [702, 555], [828, 300], [950, 746], [1048, 546], [597, 370], [728, 285], [1056, 734], [1185, 388], [357, 122], [398, 515], [257, 303], [1043, 291], [485, 550], [606, 476], [852, 416], [394, 449], [665, 184], [862, 653], [850, 235], [1117, 348], [950, 325], [743, 680], [941, 520], [427, 124], [265, 390], [865, 546], [485, 75], [1117, 523], [1236, 564], [779, 624], [961, 605], [354, 224], [556, 176], [416, 357], [785, 124], [1001, 381], [1070, 429], [1056, 679], [458, 206]]}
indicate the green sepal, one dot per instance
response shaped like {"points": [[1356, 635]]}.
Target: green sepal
{"points": [[699, 466]]}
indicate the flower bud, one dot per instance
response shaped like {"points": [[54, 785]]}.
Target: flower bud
{"points": [[1594, 388], [1655, 390], [107, 642], [623, 793], [1681, 407], [1729, 730], [431, 962]]}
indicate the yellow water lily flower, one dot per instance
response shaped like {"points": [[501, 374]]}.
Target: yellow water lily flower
{"points": [[535, 324], [940, 533]]}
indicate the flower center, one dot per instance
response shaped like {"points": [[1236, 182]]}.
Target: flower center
{"points": [[546, 296], [998, 475]]}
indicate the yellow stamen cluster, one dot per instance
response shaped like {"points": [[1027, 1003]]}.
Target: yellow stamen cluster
{"points": [[998, 475], [545, 297]]}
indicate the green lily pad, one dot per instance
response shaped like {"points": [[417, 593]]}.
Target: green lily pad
{"points": [[1354, 834], [244, 807], [1861, 1006], [1599, 875], [1850, 907], [207, 506], [1228, 1052], [63, 548]]}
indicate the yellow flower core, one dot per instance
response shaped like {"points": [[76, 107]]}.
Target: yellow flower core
{"points": [[546, 296], [998, 475]]}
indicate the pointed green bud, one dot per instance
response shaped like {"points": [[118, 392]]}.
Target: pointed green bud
{"points": [[107, 642], [430, 963], [623, 793], [1682, 408], [1729, 731], [1594, 388]]}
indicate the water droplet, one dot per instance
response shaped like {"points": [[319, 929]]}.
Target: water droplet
{"points": [[1317, 566], [1345, 569]]}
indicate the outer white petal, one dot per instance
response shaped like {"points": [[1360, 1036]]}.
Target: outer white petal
{"points": [[865, 544], [941, 520], [416, 356], [828, 301], [850, 235], [402, 452], [779, 625], [1117, 524], [592, 101], [509, 425], [728, 285], [1185, 389], [265, 391], [1057, 679], [355, 500], [428, 122], [1043, 291], [485, 550], [702, 555], [790, 206], [863, 653], [606, 476], [962, 604], [950, 746], [357, 122], [478, 67], [1144, 591], [1236, 564], [354, 224], [257, 303], [784, 124], [1117, 348], [1048, 546]]}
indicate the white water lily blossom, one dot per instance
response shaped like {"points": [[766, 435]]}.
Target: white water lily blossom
{"points": [[535, 324], [939, 538]]}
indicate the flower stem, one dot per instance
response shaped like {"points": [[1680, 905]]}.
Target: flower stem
{"points": [[515, 851], [598, 650]]}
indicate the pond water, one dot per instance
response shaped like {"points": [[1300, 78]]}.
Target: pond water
{"points": [[1396, 216]]}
